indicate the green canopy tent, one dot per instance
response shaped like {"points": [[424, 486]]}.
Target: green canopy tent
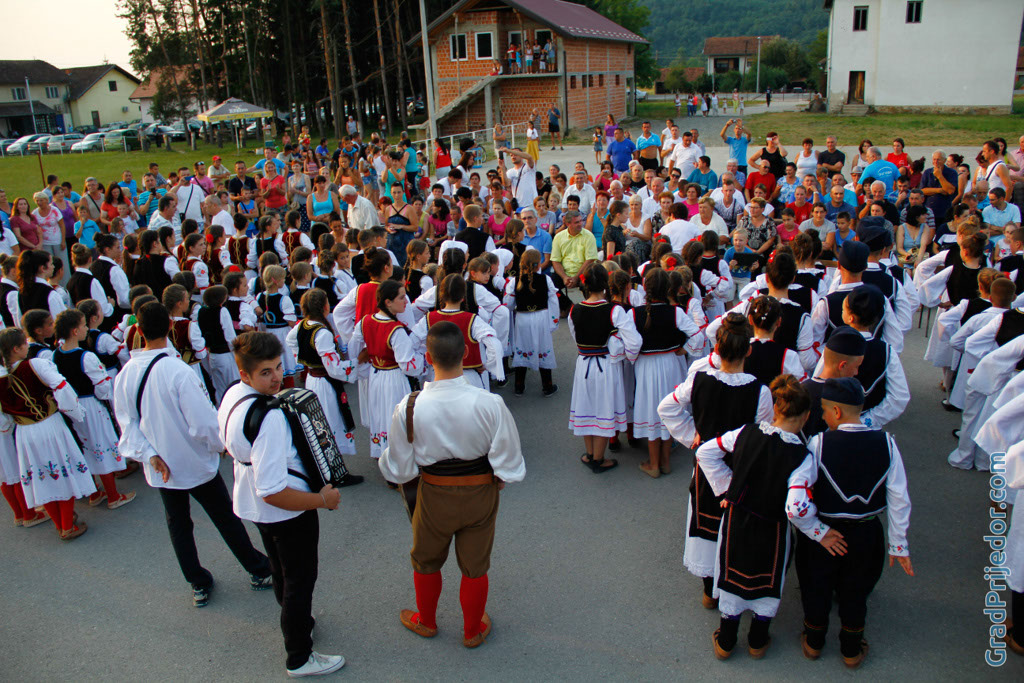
{"points": [[234, 110]]}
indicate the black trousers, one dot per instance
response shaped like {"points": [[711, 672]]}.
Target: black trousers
{"points": [[293, 548], [213, 496], [564, 302], [649, 163], [851, 577]]}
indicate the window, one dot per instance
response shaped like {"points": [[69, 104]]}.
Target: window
{"points": [[52, 92], [18, 94], [572, 82], [914, 11], [457, 47], [584, 80], [484, 45], [860, 18], [600, 80], [542, 36], [112, 85], [515, 37], [616, 79]]}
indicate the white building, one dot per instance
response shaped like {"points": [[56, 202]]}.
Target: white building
{"points": [[923, 55]]}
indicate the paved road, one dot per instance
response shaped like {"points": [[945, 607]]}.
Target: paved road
{"points": [[587, 580]]}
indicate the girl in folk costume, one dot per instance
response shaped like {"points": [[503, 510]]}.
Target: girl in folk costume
{"points": [[992, 300], [241, 310], [713, 287], [156, 267], [312, 343], [620, 291], [187, 279], [185, 335], [605, 335], [216, 255], [218, 331], [237, 245], [110, 352], [806, 249], [87, 376], [278, 315], [343, 270], [38, 325], [754, 544], [682, 294], [34, 267], [188, 227], [266, 239], [534, 299], [417, 255], [478, 299], [121, 330], [293, 238], [10, 485], [483, 347], [52, 470], [195, 248], [302, 281], [387, 357], [325, 280], [361, 301], [710, 262], [55, 279], [768, 358], [10, 313], [666, 332], [716, 397], [269, 258], [130, 256]]}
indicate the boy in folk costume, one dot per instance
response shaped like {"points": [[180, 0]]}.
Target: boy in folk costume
{"points": [[272, 492], [457, 497], [278, 315], [856, 473], [107, 270], [168, 424], [218, 331]]}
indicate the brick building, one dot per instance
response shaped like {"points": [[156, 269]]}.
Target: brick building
{"points": [[592, 71]]}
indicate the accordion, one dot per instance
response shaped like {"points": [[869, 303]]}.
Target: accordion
{"points": [[311, 434]]}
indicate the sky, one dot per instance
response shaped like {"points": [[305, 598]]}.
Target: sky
{"points": [[79, 33]]}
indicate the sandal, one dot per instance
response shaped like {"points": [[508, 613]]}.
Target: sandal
{"points": [[588, 460], [74, 532], [604, 464], [97, 498]]}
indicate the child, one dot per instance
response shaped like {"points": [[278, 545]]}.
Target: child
{"points": [[343, 271], [710, 262], [87, 376], [360, 301], [1003, 248], [325, 280], [844, 230], [603, 332], [133, 340], [188, 227], [55, 282], [620, 291], [666, 332], [243, 315], [83, 284], [302, 279], [293, 238], [754, 551], [238, 244], [102, 344], [126, 224], [716, 397], [53, 470], [769, 359], [268, 258], [788, 229], [185, 335], [278, 315], [156, 267], [218, 331], [195, 249], [417, 254], [806, 248], [856, 474], [130, 256], [246, 214], [86, 228], [312, 343], [10, 314], [215, 255], [534, 299], [388, 358], [740, 271], [38, 325], [598, 138], [266, 239]]}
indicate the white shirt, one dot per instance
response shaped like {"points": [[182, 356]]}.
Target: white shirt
{"points": [[190, 203], [8, 241], [270, 455], [119, 281], [361, 215], [224, 220], [453, 420], [178, 421], [587, 195], [524, 183], [685, 159], [679, 232]]}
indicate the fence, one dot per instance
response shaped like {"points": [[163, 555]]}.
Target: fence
{"points": [[123, 146], [515, 135]]}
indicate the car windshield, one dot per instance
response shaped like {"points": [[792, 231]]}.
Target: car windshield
{"points": [[28, 138], [94, 136]]}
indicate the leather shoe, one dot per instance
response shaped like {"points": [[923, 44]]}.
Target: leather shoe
{"points": [[411, 620], [479, 638]]}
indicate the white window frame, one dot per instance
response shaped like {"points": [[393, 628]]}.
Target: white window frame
{"points": [[517, 42], [18, 94], [453, 50], [52, 92], [476, 44]]}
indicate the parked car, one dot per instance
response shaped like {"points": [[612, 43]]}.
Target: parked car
{"points": [[20, 145], [122, 139], [640, 95], [63, 143], [6, 142], [113, 125], [85, 130], [155, 132], [93, 142]]}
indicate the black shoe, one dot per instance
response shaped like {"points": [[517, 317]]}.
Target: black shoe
{"points": [[956, 434], [261, 583], [950, 407], [350, 480], [550, 390], [519, 391], [501, 383], [201, 595]]}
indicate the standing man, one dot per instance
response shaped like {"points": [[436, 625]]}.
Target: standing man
{"points": [[696, 141], [190, 199], [684, 156], [554, 122], [648, 145], [463, 444], [620, 151], [149, 199], [939, 185], [737, 142], [521, 179], [882, 170]]}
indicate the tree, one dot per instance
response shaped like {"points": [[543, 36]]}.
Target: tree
{"points": [[675, 80]]}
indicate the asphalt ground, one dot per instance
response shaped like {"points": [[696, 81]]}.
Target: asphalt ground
{"points": [[587, 580]]}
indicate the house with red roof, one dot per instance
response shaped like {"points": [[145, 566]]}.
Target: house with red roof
{"points": [[733, 53], [475, 86]]}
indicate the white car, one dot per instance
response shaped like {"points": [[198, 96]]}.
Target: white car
{"points": [[63, 143]]}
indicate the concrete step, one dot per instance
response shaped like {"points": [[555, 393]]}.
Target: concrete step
{"points": [[854, 110]]}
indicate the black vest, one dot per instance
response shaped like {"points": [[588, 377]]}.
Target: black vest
{"points": [[109, 360], [412, 284], [803, 296], [35, 348], [1011, 263], [1010, 327], [70, 364], [697, 271], [80, 285], [883, 280], [358, 272], [765, 361], [963, 281], [658, 331], [815, 421], [272, 317], [854, 465], [327, 285], [265, 244], [473, 238], [149, 270], [719, 407], [308, 355], [872, 373], [788, 332], [101, 270], [209, 324], [5, 313], [761, 466], [809, 280], [235, 311], [34, 296], [974, 307], [533, 296], [835, 314], [296, 295], [592, 325]]}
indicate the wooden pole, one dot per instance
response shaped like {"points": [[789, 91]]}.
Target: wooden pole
{"points": [[42, 173]]}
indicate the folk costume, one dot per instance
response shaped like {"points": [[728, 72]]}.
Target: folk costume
{"points": [[483, 348], [218, 331], [535, 306], [277, 318]]}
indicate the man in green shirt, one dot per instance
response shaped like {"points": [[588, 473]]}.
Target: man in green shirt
{"points": [[572, 249]]}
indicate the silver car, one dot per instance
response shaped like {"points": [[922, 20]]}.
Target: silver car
{"points": [[63, 143], [93, 142], [20, 145]]}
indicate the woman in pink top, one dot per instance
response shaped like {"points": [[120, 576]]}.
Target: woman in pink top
{"points": [[497, 222], [603, 181], [24, 225]]}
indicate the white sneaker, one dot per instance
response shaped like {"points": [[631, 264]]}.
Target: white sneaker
{"points": [[318, 665]]}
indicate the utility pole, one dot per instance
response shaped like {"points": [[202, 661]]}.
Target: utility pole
{"points": [[757, 87], [428, 82], [32, 110]]}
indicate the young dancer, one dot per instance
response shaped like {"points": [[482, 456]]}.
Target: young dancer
{"points": [[621, 291], [267, 239], [83, 284], [293, 237], [34, 267], [278, 315], [194, 251], [238, 305], [10, 313], [716, 397], [604, 334], [768, 358], [387, 357], [38, 325], [52, 469], [326, 281], [534, 299], [185, 336], [754, 550], [302, 281], [666, 332], [168, 424], [87, 376], [856, 474], [156, 267], [215, 255], [417, 256], [217, 330]]}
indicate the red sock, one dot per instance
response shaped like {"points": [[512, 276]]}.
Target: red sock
{"points": [[53, 509], [428, 592], [12, 500], [19, 493], [473, 596], [109, 482], [67, 514]]}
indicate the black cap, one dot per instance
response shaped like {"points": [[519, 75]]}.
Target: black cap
{"points": [[872, 232], [847, 341], [845, 390], [867, 303], [854, 256]]}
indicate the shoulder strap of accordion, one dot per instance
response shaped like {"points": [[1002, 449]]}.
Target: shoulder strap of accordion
{"points": [[409, 408], [144, 381]]}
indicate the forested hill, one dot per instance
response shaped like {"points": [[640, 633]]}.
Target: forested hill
{"points": [[686, 23]]}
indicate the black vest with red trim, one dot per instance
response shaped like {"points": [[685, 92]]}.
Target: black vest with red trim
{"points": [[71, 365], [413, 278], [133, 339], [464, 321], [658, 328], [593, 326], [1011, 326], [378, 335], [719, 407], [766, 360]]}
